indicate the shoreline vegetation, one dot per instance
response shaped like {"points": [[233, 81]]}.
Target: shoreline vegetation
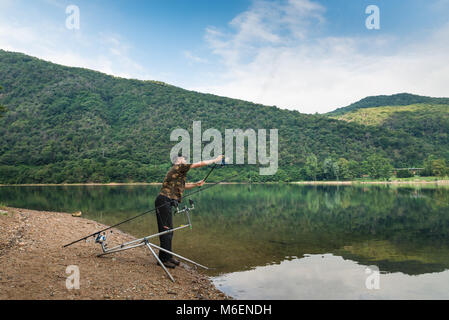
{"points": [[104, 129], [34, 264], [416, 180]]}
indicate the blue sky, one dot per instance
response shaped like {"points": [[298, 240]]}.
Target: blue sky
{"points": [[308, 55]]}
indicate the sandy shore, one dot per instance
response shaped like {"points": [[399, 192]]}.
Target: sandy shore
{"points": [[84, 184], [33, 263]]}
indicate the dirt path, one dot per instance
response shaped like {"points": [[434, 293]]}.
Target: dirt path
{"points": [[33, 263]]}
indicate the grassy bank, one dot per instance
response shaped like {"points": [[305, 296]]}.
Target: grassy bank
{"points": [[392, 180]]}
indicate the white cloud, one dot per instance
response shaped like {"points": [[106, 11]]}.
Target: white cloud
{"points": [[194, 58], [265, 25], [272, 54], [328, 277], [103, 52], [272, 58]]}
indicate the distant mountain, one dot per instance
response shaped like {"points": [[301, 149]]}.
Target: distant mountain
{"points": [[401, 99], [76, 125], [425, 121]]}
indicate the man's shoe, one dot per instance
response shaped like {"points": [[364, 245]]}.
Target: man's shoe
{"points": [[174, 261], [168, 264]]}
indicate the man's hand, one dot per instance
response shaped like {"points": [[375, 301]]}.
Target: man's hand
{"points": [[219, 158], [193, 185], [200, 183]]}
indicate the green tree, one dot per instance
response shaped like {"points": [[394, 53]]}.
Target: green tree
{"points": [[404, 174], [355, 170], [311, 167], [439, 167], [2, 108], [379, 167], [428, 166], [330, 169], [344, 172]]}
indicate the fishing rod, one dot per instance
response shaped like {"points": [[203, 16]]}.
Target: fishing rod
{"points": [[223, 163], [143, 213], [213, 167]]}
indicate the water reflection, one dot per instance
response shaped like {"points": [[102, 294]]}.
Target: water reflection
{"points": [[329, 277], [401, 230]]}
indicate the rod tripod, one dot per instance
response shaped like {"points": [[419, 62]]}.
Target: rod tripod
{"points": [[101, 239]]}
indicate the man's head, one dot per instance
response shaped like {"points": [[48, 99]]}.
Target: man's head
{"points": [[179, 160]]}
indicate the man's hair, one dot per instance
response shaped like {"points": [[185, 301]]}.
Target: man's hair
{"points": [[176, 157]]}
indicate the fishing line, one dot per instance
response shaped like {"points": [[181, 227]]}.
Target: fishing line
{"points": [[164, 221], [223, 163], [152, 210]]}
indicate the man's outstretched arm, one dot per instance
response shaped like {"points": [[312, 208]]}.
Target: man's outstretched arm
{"points": [[199, 165], [206, 162]]}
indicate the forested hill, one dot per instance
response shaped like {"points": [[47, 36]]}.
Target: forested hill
{"points": [[400, 99], [75, 125]]}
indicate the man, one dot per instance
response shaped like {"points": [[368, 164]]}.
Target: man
{"points": [[170, 194]]}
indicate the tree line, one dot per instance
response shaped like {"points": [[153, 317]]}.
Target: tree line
{"points": [[76, 125], [375, 167], [2, 108]]}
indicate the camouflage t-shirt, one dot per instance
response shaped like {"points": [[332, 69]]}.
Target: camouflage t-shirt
{"points": [[175, 181]]}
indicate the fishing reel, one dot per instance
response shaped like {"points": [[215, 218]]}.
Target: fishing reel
{"points": [[223, 162], [101, 239], [186, 209]]}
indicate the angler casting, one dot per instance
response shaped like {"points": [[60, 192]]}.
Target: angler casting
{"points": [[169, 196]]}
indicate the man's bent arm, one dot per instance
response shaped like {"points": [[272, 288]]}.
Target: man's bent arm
{"points": [[193, 185]]}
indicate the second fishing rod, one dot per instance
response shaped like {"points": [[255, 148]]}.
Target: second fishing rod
{"points": [[154, 209]]}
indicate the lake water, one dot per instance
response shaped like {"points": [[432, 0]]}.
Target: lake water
{"points": [[288, 241]]}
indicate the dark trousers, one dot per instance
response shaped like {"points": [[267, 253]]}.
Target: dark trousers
{"points": [[164, 223]]}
